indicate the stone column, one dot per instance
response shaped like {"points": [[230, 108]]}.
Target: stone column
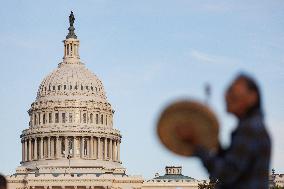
{"points": [[110, 149], [57, 147], [66, 147], [105, 150], [69, 49], [48, 147], [82, 147], [92, 147], [41, 148], [30, 149], [118, 151], [23, 150], [99, 148], [114, 150], [35, 149], [52, 147], [88, 147], [64, 50], [74, 149], [26, 149], [95, 148], [60, 147]]}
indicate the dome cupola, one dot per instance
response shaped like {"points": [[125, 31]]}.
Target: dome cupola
{"points": [[71, 80]]}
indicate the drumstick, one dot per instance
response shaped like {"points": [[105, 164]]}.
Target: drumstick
{"points": [[207, 90]]}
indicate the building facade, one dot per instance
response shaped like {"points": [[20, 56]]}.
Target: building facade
{"points": [[172, 179], [71, 142]]}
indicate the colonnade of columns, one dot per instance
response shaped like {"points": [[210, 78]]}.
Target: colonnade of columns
{"points": [[71, 48], [67, 187], [55, 147]]}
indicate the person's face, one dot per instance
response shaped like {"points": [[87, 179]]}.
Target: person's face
{"points": [[239, 99]]}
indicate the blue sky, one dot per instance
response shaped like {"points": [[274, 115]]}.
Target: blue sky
{"points": [[147, 53]]}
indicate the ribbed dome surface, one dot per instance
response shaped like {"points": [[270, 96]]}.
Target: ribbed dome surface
{"points": [[71, 81]]}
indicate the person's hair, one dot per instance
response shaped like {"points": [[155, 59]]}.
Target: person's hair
{"points": [[3, 182], [252, 86]]}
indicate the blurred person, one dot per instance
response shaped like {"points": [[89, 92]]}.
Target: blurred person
{"points": [[245, 163], [3, 182]]}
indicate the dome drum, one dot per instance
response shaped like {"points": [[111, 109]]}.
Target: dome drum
{"points": [[70, 117]]}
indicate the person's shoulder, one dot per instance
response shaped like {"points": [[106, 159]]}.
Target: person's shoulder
{"points": [[257, 129], [254, 125]]}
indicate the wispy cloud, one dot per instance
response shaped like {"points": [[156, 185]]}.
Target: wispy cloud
{"points": [[203, 57]]}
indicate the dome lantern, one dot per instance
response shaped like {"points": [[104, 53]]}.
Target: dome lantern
{"points": [[71, 43]]}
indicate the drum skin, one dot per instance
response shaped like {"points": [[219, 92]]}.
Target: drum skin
{"points": [[197, 117]]}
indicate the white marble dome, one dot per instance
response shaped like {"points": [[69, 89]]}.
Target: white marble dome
{"points": [[71, 118], [71, 81], [71, 142]]}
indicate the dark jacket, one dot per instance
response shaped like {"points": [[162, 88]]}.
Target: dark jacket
{"points": [[245, 163]]}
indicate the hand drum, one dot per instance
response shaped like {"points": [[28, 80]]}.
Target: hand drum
{"points": [[197, 118]]}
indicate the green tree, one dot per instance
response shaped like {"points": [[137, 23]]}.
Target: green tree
{"points": [[210, 185]]}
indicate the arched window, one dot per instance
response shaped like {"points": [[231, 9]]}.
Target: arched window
{"points": [[106, 120], [43, 118], [84, 118], [53, 88], [64, 87], [82, 87], [35, 120], [70, 117], [50, 117], [56, 117], [70, 87], [39, 119], [102, 119], [91, 118], [63, 118], [97, 118], [68, 49], [58, 87]]}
